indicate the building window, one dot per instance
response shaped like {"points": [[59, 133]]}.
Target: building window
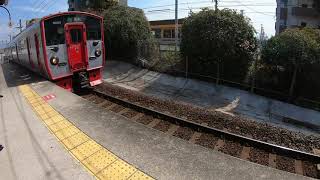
{"points": [[170, 33], [303, 24], [304, 5], [157, 33], [167, 33]]}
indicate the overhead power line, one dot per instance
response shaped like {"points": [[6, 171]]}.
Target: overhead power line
{"points": [[207, 2], [239, 4]]}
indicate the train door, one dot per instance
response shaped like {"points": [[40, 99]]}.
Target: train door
{"points": [[11, 51], [76, 46], [17, 52], [36, 40], [29, 53]]}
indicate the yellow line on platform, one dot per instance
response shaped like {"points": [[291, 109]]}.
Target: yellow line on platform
{"points": [[99, 161]]}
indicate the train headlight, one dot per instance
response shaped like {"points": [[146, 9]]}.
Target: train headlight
{"points": [[98, 53], [54, 60]]}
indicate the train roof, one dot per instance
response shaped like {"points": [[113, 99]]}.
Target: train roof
{"points": [[49, 17], [69, 13]]}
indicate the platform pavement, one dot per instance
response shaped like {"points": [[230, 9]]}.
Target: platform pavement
{"points": [[30, 151], [155, 153]]}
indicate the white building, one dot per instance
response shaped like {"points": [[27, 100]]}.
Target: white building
{"points": [[297, 13]]}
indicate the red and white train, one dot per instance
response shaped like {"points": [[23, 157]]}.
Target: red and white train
{"points": [[66, 48]]}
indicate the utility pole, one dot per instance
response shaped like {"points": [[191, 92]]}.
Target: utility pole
{"points": [[176, 26], [242, 12], [216, 4], [262, 35], [20, 25], [256, 58]]}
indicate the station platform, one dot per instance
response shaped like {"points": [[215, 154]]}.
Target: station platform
{"points": [[50, 133]]}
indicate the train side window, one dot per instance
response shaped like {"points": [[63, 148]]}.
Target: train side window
{"points": [[54, 30], [93, 28]]}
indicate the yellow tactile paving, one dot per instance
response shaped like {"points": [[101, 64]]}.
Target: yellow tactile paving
{"points": [[52, 113], [66, 132], [53, 120], [86, 149], [117, 170], [75, 140], [102, 163], [59, 125], [99, 160], [44, 116]]}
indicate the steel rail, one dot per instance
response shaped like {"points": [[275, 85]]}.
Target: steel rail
{"points": [[280, 150]]}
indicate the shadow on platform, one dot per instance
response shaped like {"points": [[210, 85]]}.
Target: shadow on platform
{"points": [[16, 75]]}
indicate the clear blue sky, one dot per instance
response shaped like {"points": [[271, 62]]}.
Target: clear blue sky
{"points": [[260, 12]]}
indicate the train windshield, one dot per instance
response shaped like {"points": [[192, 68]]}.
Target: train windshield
{"points": [[54, 28]]}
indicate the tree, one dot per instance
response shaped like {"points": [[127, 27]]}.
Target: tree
{"points": [[124, 28], [103, 4], [216, 42], [97, 5], [293, 50]]}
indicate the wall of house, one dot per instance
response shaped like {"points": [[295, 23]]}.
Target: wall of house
{"points": [[287, 19]]}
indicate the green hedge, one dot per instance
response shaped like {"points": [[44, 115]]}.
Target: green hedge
{"points": [[124, 28], [294, 58], [223, 37]]}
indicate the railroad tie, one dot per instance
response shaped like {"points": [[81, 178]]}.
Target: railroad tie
{"points": [[138, 116], [153, 123], [90, 97], [272, 160], [173, 128], [317, 152], [195, 136], [219, 144], [245, 153], [111, 106], [298, 167], [124, 111], [103, 103]]}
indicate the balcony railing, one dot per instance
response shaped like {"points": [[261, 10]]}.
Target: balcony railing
{"points": [[305, 12]]}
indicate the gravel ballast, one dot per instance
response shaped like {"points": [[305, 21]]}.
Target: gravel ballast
{"points": [[235, 124]]}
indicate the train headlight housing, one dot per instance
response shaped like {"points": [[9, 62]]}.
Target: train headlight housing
{"points": [[54, 60], [98, 53]]}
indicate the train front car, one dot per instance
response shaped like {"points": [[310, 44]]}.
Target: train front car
{"points": [[74, 49]]}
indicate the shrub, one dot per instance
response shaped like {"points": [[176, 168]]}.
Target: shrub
{"points": [[97, 5], [294, 51], [124, 28], [221, 38]]}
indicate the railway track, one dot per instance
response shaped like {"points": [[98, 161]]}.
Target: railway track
{"points": [[268, 154]]}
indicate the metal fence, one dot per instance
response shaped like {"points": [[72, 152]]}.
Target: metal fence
{"points": [[163, 58]]}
